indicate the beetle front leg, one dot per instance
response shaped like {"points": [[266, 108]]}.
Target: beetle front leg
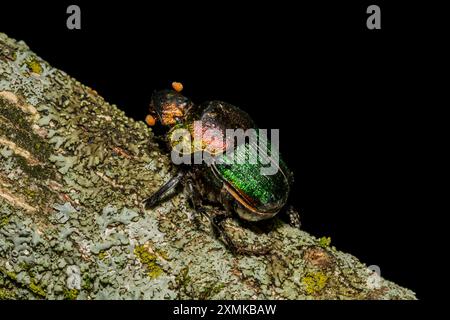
{"points": [[193, 194], [165, 190]]}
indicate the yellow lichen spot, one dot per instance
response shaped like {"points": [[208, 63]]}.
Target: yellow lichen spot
{"points": [[34, 66], [102, 255], [37, 289], [6, 294], [149, 261], [177, 86], [154, 272], [324, 242], [4, 221], [71, 294], [314, 282]]}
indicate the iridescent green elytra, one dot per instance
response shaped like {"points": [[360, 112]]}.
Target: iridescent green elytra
{"points": [[264, 193]]}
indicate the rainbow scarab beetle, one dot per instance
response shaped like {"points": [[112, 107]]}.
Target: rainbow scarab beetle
{"points": [[233, 186]]}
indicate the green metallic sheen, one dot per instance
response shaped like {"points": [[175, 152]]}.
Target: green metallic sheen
{"points": [[265, 193]]}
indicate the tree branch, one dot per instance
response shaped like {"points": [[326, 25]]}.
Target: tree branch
{"points": [[73, 173]]}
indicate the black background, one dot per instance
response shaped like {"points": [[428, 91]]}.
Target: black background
{"points": [[343, 97]]}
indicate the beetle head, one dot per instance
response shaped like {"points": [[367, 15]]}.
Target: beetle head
{"points": [[169, 107]]}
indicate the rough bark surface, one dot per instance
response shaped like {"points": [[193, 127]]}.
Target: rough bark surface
{"points": [[73, 172]]}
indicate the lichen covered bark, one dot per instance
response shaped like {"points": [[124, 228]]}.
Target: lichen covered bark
{"points": [[73, 173]]}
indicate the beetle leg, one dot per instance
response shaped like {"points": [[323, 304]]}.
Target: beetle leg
{"points": [[293, 217], [227, 201], [164, 190], [194, 197], [193, 194], [217, 223]]}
